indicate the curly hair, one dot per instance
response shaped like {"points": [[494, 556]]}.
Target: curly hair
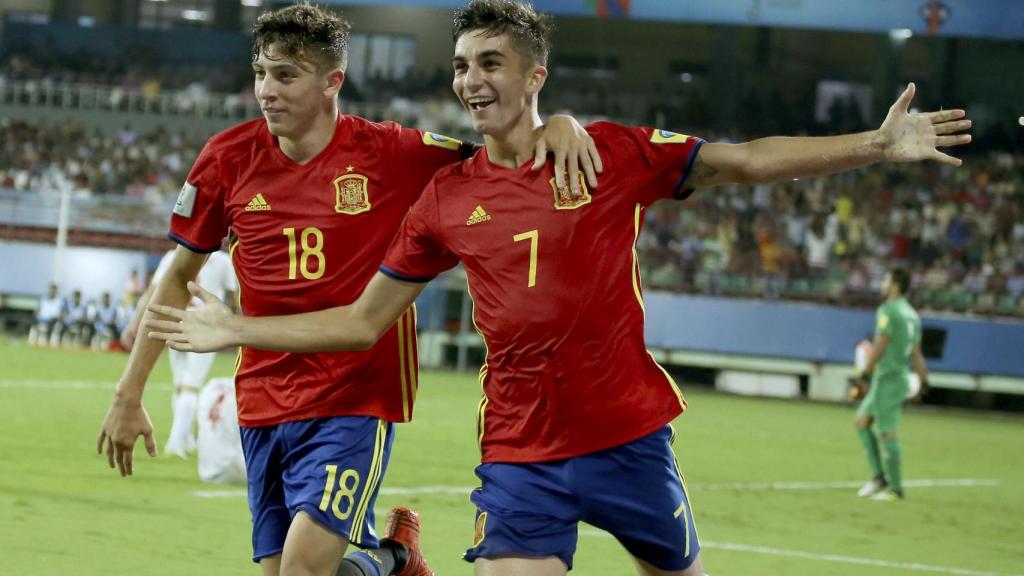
{"points": [[303, 32], [530, 30]]}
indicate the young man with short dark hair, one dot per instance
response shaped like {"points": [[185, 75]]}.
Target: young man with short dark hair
{"points": [[312, 198]]}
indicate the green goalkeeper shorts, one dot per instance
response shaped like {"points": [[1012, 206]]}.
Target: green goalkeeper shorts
{"points": [[884, 402]]}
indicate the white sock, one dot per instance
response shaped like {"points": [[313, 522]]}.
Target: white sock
{"points": [[184, 416]]}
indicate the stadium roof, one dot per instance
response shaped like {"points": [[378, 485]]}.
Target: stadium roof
{"points": [[977, 18]]}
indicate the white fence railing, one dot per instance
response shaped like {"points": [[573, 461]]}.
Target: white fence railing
{"points": [[183, 103], [119, 214]]}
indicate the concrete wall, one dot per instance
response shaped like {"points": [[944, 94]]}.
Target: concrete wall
{"points": [[28, 268]]}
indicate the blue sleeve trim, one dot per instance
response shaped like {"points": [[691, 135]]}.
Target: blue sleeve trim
{"points": [[404, 278], [681, 193], [190, 246]]}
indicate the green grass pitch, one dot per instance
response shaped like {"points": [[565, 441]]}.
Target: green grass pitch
{"points": [[63, 512]]}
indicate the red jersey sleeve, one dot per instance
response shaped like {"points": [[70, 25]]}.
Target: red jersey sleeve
{"points": [[417, 253], [198, 220], [658, 159], [420, 154]]}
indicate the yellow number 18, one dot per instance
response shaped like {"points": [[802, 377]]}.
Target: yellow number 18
{"points": [[312, 249]]}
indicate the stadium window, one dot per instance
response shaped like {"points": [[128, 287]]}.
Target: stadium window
{"points": [[832, 93], [685, 72], [933, 342], [384, 56], [167, 14], [587, 66]]}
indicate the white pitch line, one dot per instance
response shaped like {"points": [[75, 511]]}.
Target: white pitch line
{"points": [[737, 486], [925, 483], [221, 493], [837, 558], [70, 384], [848, 559]]}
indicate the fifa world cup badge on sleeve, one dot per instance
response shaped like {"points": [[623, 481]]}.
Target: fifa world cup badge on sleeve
{"points": [[431, 139], [352, 194], [564, 199], [666, 137], [186, 201]]}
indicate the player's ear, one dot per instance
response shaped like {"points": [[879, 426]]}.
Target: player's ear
{"points": [[335, 79], [538, 76]]}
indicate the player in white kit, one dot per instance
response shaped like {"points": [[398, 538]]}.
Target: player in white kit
{"points": [[220, 442], [189, 370]]}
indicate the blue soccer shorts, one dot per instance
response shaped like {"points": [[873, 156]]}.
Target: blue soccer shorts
{"points": [[635, 491], [329, 468]]}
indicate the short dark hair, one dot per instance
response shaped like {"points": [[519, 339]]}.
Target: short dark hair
{"points": [[303, 32], [901, 278], [530, 30]]}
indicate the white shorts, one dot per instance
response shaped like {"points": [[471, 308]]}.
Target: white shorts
{"points": [[189, 368], [220, 441]]}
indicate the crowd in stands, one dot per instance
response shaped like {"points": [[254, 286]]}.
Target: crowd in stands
{"points": [[47, 157], [960, 231], [131, 73]]}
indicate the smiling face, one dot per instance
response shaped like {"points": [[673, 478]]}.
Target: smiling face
{"points": [[495, 82], [293, 93]]}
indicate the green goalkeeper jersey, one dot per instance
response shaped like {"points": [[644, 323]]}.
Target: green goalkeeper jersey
{"points": [[898, 320]]}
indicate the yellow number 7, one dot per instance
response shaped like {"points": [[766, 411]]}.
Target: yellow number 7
{"points": [[532, 236]]}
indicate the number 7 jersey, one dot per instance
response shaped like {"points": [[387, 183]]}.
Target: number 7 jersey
{"points": [[308, 237], [556, 290]]}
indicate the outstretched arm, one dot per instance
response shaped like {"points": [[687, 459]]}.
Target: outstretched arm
{"points": [[344, 328], [903, 137]]}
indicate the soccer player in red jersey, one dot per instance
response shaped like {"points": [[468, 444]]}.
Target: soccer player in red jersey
{"points": [[574, 422], [312, 198]]}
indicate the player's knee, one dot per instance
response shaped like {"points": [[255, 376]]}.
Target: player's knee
{"points": [[888, 436], [695, 569], [862, 421], [296, 565], [271, 565]]}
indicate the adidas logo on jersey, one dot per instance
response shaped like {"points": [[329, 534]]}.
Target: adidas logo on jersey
{"points": [[257, 204], [479, 215]]}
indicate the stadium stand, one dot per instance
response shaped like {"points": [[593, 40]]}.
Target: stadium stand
{"points": [[830, 240]]}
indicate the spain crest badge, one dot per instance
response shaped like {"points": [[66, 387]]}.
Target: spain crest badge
{"points": [[564, 199], [352, 194]]}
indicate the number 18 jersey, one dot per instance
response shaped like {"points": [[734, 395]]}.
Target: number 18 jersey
{"points": [[308, 237]]}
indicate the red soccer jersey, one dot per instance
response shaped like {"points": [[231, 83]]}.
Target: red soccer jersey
{"points": [[309, 237], [557, 293]]}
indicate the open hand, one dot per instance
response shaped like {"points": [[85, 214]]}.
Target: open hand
{"points": [[124, 423], [206, 329], [912, 137]]}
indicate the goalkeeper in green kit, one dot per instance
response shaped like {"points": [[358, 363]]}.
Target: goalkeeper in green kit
{"points": [[897, 349]]}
